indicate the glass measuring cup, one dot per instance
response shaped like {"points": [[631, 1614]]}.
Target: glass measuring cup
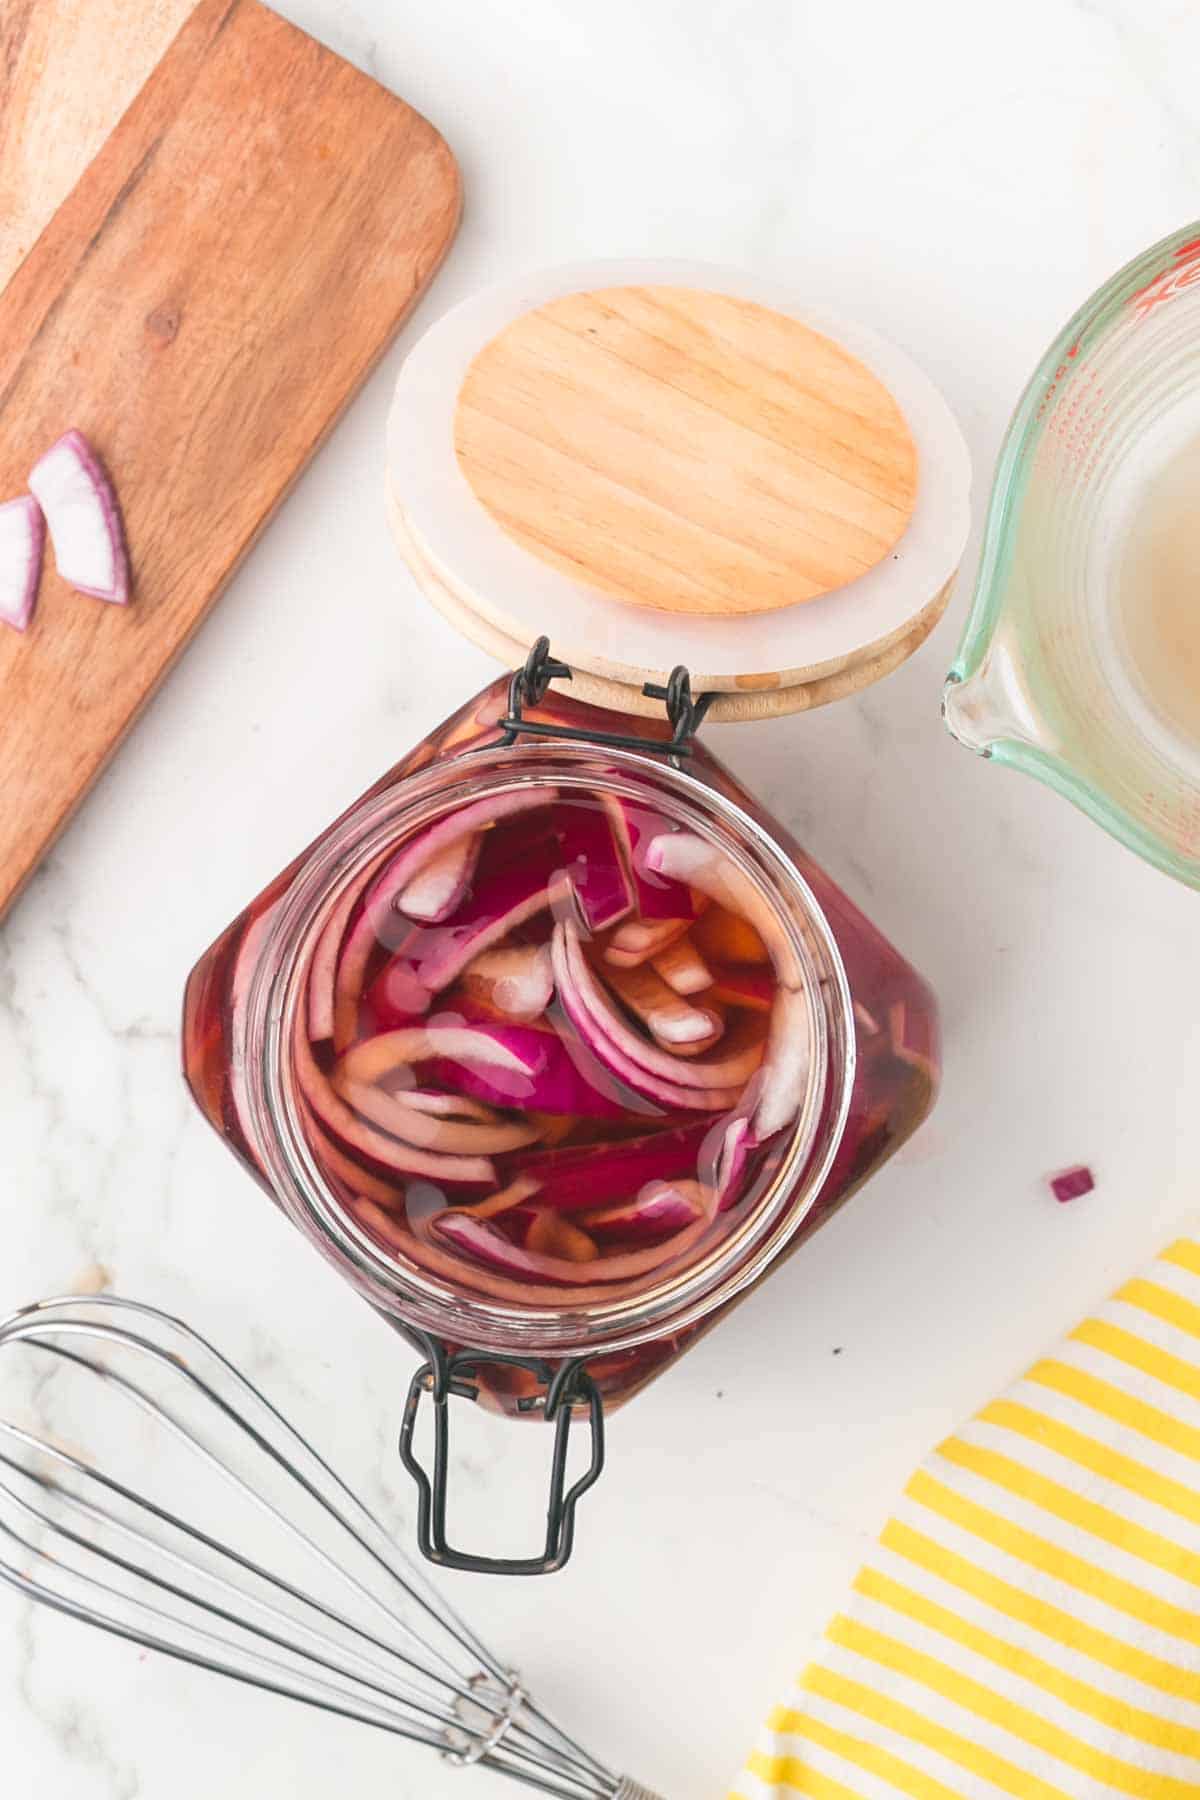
{"points": [[1044, 680]]}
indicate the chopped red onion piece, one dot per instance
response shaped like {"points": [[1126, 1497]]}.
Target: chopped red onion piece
{"points": [[1073, 1183], [80, 504], [22, 544]]}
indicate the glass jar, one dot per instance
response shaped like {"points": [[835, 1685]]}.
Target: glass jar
{"points": [[871, 1079]]}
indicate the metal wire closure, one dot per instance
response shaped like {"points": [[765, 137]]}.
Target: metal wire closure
{"points": [[528, 688], [565, 1388], [148, 1488]]}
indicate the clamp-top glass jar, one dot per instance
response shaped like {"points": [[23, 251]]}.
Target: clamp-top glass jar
{"points": [[553, 1044]]}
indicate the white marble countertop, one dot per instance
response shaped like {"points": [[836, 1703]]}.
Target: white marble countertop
{"points": [[965, 175]]}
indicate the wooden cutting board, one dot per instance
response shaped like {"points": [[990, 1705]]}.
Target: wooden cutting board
{"points": [[234, 246]]}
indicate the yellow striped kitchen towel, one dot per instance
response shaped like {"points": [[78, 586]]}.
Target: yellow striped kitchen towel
{"points": [[1029, 1625]]}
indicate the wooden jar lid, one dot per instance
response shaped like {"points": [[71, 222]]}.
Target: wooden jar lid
{"points": [[686, 450], [662, 463]]}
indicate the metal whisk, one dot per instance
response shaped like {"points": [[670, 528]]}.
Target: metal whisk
{"points": [[241, 1552]]}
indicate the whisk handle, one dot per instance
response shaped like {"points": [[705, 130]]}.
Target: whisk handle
{"points": [[633, 1790], [565, 1388]]}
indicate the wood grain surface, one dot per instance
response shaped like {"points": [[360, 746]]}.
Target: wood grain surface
{"points": [[690, 451], [68, 70], [737, 706], [201, 305]]}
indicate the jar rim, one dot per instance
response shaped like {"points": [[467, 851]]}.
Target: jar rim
{"points": [[676, 1299]]}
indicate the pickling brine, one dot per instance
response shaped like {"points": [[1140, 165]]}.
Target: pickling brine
{"points": [[547, 1043], [1157, 600]]}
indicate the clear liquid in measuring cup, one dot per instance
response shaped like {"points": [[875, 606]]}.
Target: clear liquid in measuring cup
{"points": [[1158, 593]]}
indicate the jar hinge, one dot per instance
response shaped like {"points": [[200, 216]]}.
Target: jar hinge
{"points": [[528, 688], [566, 1388]]}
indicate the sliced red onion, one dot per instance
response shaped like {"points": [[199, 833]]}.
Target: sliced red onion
{"points": [[359, 1180], [788, 1063], [322, 974], [518, 981], [80, 504], [507, 1200], [459, 1271], [436, 892], [449, 1106], [668, 1017], [661, 1209], [381, 922], [736, 984], [549, 1234], [726, 1153], [685, 857], [377, 1147], [683, 968], [577, 1177], [394, 1234], [594, 1029], [478, 1239], [592, 862], [635, 827], [384, 893], [732, 1068], [501, 1049], [22, 544], [456, 1137], [394, 1000], [553, 1078], [638, 940], [511, 896]]}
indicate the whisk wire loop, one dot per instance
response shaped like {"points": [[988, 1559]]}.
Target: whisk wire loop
{"points": [[306, 1597]]}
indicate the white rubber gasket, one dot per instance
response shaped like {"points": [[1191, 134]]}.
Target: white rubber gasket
{"points": [[521, 597]]}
